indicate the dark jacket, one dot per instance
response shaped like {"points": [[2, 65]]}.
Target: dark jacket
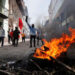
{"points": [[16, 34]]}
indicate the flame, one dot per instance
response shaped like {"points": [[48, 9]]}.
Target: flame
{"points": [[56, 46]]}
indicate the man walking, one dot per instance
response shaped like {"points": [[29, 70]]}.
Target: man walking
{"points": [[16, 36], [2, 35], [9, 38]]}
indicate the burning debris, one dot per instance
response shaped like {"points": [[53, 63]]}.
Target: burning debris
{"points": [[56, 46]]}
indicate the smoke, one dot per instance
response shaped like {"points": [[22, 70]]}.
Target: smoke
{"points": [[67, 16]]}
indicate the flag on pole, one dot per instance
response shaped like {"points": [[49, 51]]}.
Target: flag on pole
{"points": [[20, 24]]}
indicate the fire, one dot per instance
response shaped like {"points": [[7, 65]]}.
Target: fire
{"points": [[56, 46]]}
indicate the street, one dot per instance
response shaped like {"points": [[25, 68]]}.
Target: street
{"points": [[11, 53]]}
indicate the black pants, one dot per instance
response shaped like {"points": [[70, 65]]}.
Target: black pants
{"points": [[9, 38], [15, 41], [23, 39], [2, 41], [32, 37]]}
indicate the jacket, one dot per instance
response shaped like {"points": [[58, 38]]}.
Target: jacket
{"points": [[2, 33], [16, 34], [32, 30]]}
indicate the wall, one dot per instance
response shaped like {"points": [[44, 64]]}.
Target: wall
{"points": [[54, 7], [5, 22], [14, 14], [5, 7]]}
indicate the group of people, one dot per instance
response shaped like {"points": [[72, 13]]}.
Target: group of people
{"points": [[14, 36], [34, 34]]}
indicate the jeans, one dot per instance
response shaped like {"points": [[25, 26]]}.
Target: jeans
{"points": [[32, 37], [2, 41]]}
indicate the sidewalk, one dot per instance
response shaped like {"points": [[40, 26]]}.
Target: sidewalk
{"points": [[7, 44], [11, 53]]}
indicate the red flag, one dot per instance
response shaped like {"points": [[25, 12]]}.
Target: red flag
{"points": [[20, 24]]}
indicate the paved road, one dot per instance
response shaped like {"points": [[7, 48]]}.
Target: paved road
{"points": [[15, 53]]}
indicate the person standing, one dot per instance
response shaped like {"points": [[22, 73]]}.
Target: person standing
{"points": [[38, 36], [23, 36], [16, 36], [9, 38], [32, 35], [2, 35]]}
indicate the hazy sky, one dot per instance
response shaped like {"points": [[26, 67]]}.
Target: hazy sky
{"points": [[37, 8]]}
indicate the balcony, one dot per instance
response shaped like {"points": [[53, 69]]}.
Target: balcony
{"points": [[3, 12]]}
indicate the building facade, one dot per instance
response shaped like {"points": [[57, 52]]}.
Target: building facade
{"points": [[62, 11], [14, 13], [4, 7], [10, 12], [61, 17], [17, 9]]}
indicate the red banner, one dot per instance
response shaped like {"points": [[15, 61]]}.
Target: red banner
{"points": [[20, 24]]}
